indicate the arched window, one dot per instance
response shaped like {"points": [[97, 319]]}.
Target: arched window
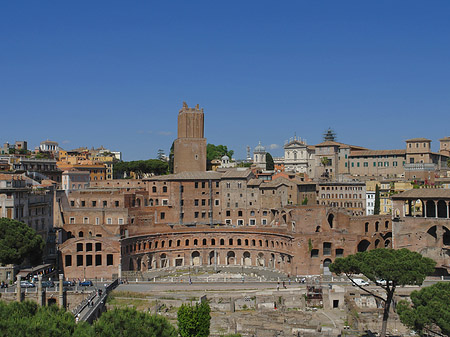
{"points": [[253, 242], [195, 242], [186, 243], [165, 189], [213, 242], [204, 242], [230, 242], [239, 242], [80, 234], [246, 242], [222, 242], [154, 189]]}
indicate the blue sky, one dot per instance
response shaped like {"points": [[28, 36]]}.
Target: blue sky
{"points": [[115, 73]]}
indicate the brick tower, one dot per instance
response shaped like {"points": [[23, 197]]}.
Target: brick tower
{"points": [[190, 146]]}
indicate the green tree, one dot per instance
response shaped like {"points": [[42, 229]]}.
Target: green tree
{"points": [[325, 161], [28, 319], [140, 167], [305, 201], [217, 152], [130, 322], [270, 165], [171, 156], [18, 242], [194, 321], [430, 310], [376, 209], [394, 267]]}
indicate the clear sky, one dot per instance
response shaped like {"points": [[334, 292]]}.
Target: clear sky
{"points": [[115, 73]]}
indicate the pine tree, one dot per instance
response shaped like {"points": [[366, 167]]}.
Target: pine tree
{"points": [[376, 209]]}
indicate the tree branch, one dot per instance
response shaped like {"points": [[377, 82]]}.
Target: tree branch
{"points": [[364, 289]]}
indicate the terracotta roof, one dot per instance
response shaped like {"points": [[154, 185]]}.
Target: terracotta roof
{"points": [[445, 138], [418, 140], [254, 182], [341, 145], [377, 153], [428, 193], [275, 183], [236, 174], [199, 175]]}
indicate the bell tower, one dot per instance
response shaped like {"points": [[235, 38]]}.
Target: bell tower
{"points": [[190, 146]]}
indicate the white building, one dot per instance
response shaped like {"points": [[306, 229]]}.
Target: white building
{"points": [[298, 157], [259, 156], [370, 202], [49, 146]]}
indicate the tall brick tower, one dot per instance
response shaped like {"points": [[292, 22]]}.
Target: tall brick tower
{"points": [[190, 146]]}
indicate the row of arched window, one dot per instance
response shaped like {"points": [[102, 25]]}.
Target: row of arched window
{"points": [[144, 245]]}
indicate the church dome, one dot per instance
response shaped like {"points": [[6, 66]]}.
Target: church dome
{"points": [[259, 148]]}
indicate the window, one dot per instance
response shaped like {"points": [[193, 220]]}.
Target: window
{"points": [[240, 222], [83, 203], [239, 213], [89, 247], [203, 184], [79, 260], [252, 213], [72, 203], [94, 203], [154, 189], [264, 221], [98, 246], [98, 260], [239, 185], [85, 220], [72, 220], [165, 202], [109, 221], [265, 213], [314, 253], [109, 260], [366, 164], [195, 214], [79, 247], [196, 184], [105, 203], [203, 202], [116, 203], [228, 213], [228, 185], [162, 215], [203, 215], [252, 222], [97, 221], [216, 202], [120, 221], [88, 260], [327, 248], [164, 189], [68, 260]]}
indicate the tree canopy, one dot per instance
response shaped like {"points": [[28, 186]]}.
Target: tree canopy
{"points": [[28, 319], [140, 167], [18, 241], [387, 268], [270, 165], [217, 152], [430, 310], [194, 321], [130, 322]]}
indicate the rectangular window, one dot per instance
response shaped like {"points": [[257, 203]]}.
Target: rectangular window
{"points": [[394, 163], [109, 260], [89, 247], [203, 214], [240, 222], [216, 202], [105, 203], [79, 260], [109, 221], [98, 260], [374, 163], [85, 220], [203, 202], [116, 203], [366, 164], [165, 202], [196, 202], [120, 221], [203, 184], [97, 221], [264, 221], [72, 220], [228, 221], [162, 215], [88, 260], [72, 203], [228, 213], [353, 164], [252, 222], [94, 203], [98, 246], [68, 260], [195, 214], [357, 164], [83, 203], [346, 165]]}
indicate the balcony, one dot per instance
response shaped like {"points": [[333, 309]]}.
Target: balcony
{"points": [[420, 167]]}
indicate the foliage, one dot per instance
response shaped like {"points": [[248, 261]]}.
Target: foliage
{"points": [[160, 154], [244, 164], [448, 162], [130, 322], [430, 309], [194, 321], [395, 267], [171, 158], [325, 161], [270, 165], [217, 152], [376, 209], [27, 319], [18, 241], [305, 201], [140, 167]]}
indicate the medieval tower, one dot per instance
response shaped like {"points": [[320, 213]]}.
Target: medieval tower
{"points": [[190, 146]]}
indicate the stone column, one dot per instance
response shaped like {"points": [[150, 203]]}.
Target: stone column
{"points": [[436, 208], [424, 208], [61, 295], [40, 293], [19, 289], [446, 203]]}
